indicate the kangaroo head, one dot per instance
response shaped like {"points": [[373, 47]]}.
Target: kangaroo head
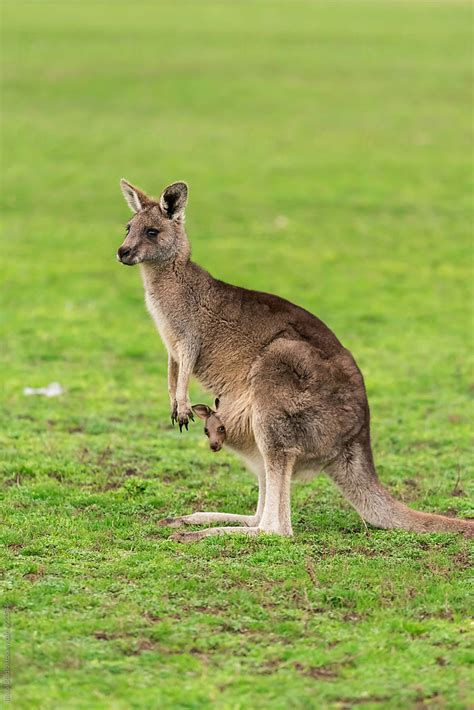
{"points": [[214, 428], [156, 230]]}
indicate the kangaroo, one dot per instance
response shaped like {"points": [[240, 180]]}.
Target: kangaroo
{"points": [[214, 428], [292, 397]]}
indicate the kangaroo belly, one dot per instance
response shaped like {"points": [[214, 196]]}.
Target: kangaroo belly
{"points": [[235, 410]]}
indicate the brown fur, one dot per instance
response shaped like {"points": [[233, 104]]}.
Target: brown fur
{"points": [[214, 427], [292, 398]]}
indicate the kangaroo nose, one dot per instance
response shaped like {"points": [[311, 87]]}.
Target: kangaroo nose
{"points": [[123, 252], [215, 446]]}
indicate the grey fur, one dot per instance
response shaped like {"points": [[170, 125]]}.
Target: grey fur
{"points": [[292, 398]]}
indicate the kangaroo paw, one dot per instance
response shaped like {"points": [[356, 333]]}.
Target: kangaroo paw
{"points": [[184, 419], [174, 413]]}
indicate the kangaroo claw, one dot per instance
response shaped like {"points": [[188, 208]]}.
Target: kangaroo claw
{"points": [[174, 413], [184, 419]]}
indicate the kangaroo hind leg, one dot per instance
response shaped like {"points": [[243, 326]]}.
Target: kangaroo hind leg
{"points": [[205, 518], [276, 517]]}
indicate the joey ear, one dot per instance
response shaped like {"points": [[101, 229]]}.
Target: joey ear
{"points": [[216, 402], [202, 411], [135, 198], [174, 199]]}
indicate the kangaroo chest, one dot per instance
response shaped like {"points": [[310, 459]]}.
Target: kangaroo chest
{"points": [[163, 325]]}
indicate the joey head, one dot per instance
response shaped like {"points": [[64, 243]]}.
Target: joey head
{"points": [[214, 429]]}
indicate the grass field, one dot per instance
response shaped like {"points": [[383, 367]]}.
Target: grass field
{"points": [[327, 147]]}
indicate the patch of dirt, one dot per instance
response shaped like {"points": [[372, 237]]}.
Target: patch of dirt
{"points": [[169, 477], [15, 546], [311, 571], [204, 657], [431, 700], [366, 552], [451, 512], [269, 667], [462, 559], [446, 645], [411, 483], [442, 614], [152, 618], [59, 477], [34, 576], [9, 482], [131, 472], [458, 491], [315, 671], [348, 703], [142, 646], [328, 671], [110, 484], [352, 617], [105, 636]]}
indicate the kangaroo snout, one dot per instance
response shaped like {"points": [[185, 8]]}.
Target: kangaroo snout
{"points": [[126, 255], [215, 446]]}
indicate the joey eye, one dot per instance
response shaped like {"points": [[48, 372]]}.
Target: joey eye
{"points": [[206, 431], [151, 233]]}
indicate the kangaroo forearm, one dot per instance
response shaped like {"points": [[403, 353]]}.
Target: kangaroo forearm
{"points": [[187, 361], [183, 385], [172, 377]]}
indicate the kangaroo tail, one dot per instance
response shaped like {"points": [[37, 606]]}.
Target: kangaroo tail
{"points": [[354, 473]]}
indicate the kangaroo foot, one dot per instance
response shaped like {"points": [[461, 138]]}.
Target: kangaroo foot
{"points": [[207, 518], [197, 535]]}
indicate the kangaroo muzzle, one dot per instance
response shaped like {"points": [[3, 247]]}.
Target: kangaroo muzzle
{"points": [[126, 255]]}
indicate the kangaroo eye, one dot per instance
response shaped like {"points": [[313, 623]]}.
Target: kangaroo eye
{"points": [[151, 232], [221, 430], [206, 431]]}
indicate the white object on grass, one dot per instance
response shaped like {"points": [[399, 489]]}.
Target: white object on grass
{"points": [[54, 389]]}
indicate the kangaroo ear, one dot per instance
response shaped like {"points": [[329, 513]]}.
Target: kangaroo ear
{"points": [[216, 402], [135, 198], [174, 199], [202, 411]]}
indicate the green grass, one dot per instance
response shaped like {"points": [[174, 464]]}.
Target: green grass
{"points": [[352, 121]]}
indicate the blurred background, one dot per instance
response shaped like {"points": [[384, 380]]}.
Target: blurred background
{"points": [[327, 147]]}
